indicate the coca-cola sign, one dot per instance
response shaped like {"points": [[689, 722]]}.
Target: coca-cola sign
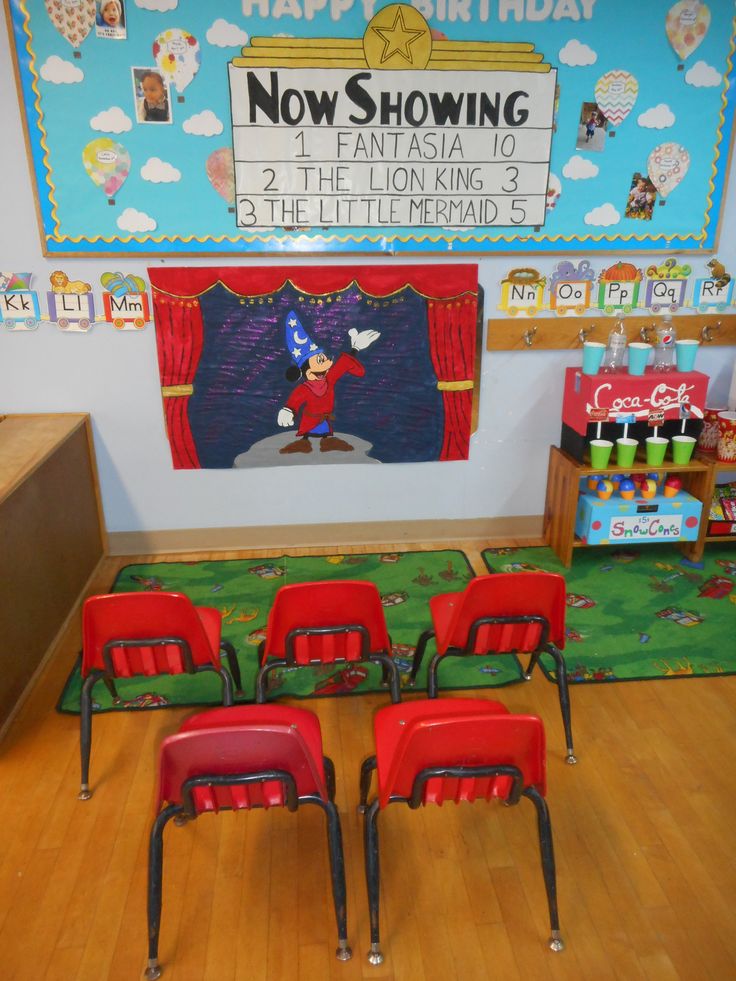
{"points": [[659, 397], [606, 398]]}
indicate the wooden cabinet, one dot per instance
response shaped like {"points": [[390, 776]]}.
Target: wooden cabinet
{"points": [[51, 537], [563, 484]]}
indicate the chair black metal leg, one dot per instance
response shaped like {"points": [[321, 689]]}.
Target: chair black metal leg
{"points": [[329, 776], [366, 772], [110, 685], [370, 845], [85, 731], [155, 886], [564, 694], [432, 676], [419, 655], [337, 871], [391, 670], [262, 679], [546, 851], [227, 688], [232, 662], [533, 660]]}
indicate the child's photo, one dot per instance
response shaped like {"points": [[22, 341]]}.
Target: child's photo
{"points": [[592, 126], [641, 199], [151, 92], [110, 19]]}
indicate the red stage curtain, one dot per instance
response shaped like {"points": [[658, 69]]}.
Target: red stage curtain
{"points": [[431, 281], [452, 331], [179, 338]]}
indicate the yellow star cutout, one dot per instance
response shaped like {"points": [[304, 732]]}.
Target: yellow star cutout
{"points": [[397, 39]]}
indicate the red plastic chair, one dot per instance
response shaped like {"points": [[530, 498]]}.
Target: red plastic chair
{"points": [[315, 623], [504, 613], [239, 758], [129, 634], [459, 749]]}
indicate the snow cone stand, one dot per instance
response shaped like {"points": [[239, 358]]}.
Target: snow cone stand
{"points": [[625, 471]]}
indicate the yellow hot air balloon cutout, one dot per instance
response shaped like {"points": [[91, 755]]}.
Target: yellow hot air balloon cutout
{"points": [[686, 25]]}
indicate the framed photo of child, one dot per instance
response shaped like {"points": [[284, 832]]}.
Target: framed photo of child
{"points": [[592, 126], [152, 96], [642, 195], [110, 19]]}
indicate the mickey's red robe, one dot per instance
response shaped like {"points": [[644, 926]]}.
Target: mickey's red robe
{"points": [[317, 398]]}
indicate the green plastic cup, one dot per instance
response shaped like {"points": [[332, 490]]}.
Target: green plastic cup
{"points": [[682, 448], [626, 451], [600, 453], [656, 449]]}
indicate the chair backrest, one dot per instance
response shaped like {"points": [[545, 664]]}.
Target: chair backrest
{"points": [[510, 594], [142, 616], [450, 732], [319, 605], [243, 739]]}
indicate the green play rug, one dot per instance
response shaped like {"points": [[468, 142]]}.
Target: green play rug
{"points": [[243, 591], [642, 612]]}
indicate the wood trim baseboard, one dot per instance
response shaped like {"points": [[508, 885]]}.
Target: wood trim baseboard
{"points": [[322, 535]]}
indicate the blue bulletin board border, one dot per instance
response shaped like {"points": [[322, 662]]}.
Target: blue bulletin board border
{"points": [[89, 231]]}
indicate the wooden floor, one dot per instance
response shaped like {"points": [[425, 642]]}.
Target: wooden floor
{"points": [[643, 828]]}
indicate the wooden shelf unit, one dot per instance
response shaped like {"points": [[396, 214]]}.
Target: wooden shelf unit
{"points": [[563, 485], [718, 467], [52, 536]]}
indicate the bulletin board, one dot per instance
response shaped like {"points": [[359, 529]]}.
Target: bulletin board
{"points": [[347, 126]]}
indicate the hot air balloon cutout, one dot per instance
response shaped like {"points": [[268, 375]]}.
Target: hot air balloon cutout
{"points": [[221, 174], [107, 164], [687, 24], [667, 164], [615, 94], [178, 56], [73, 19]]}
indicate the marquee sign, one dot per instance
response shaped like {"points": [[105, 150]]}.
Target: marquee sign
{"points": [[333, 133]]}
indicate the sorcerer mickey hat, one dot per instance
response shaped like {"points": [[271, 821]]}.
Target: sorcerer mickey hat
{"points": [[299, 344]]}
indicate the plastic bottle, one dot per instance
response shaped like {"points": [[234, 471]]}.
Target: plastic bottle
{"points": [[664, 349], [613, 359]]}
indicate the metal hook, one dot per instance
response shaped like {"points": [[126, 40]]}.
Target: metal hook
{"points": [[644, 332], [584, 332], [528, 335], [707, 332]]}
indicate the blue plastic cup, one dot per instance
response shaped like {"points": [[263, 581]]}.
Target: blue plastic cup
{"points": [[638, 357], [593, 352], [685, 353]]}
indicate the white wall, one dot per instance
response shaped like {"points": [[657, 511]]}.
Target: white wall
{"points": [[114, 377]]}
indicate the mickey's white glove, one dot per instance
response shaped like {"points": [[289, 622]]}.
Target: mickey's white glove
{"points": [[285, 418], [363, 339]]}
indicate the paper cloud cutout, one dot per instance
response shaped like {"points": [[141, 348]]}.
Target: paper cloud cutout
{"points": [[112, 120], [225, 35], [703, 76], [135, 221], [203, 123], [658, 117], [159, 5], [60, 72], [576, 54], [579, 168], [157, 171], [604, 214]]}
